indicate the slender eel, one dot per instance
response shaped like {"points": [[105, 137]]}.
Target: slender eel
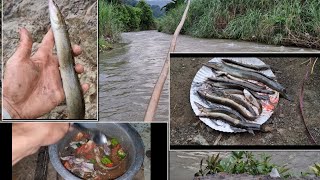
{"points": [[219, 86], [235, 122], [227, 102], [249, 66], [259, 96], [232, 91], [244, 85], [217, 109], [70, 81], [235, 89], [235, 98], [250, 75], [246, 69]]}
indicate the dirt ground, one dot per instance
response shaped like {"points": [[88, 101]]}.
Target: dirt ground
{"points": [[288, 127], [81, 18]]}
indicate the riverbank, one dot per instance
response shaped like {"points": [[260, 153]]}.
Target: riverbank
{"points": [[289, 23]]}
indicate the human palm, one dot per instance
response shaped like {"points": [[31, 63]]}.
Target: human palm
{"points": [[32, 84]]}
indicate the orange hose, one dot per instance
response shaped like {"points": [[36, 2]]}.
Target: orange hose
{"points": [[154, 100]]}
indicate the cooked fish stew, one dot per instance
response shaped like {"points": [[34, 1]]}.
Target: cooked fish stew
{"points": [[87, 160]]}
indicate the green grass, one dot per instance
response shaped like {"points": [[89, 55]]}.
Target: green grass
{"points": [[109, 28], [104, 44], [286, 22]]}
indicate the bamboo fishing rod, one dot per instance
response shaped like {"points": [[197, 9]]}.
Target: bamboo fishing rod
{"points": [[154, 100]]}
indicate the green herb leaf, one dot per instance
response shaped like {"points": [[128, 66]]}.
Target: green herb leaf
{"points": [[121, 153], [114, 142], [105, 160]]}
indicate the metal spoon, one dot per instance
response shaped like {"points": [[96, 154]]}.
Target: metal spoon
{"points": [[95, 135]]}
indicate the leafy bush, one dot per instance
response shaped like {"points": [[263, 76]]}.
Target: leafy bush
{"points": [[134, 15], [109, 26], [146, 17], [116, 17]]}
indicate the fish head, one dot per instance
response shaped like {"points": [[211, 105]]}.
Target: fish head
{"points": [[56, 17]]}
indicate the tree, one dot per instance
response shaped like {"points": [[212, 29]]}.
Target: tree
{"points": [[146, 17], [172, 5]]}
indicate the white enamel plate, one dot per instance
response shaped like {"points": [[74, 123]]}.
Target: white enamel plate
{"points": [[219, 125]]}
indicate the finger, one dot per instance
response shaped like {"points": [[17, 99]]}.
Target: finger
{"points": [[79, 68], [85, 88], [76, 50], [47, 42], [23, 51]]}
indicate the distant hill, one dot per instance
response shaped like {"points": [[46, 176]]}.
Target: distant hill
{"points": [[159, 3], [156, 11], [151, 2], [155, 6]]}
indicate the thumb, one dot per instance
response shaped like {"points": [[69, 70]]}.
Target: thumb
{"points": [[25, 45]]}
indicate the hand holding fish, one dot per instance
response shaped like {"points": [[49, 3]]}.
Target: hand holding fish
{"points": [[32, 85]]}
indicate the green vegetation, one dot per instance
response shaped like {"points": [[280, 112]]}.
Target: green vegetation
{"points": [[316, 169], [287, 22], [239, 163], [116, 17], [146, 16]]}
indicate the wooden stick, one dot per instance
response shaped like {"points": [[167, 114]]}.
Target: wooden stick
{"points": [[41, 171], [313, 65], [154, 100], [218, 139]]}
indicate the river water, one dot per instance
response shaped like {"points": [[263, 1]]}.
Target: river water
{"points": [[128, 73]]}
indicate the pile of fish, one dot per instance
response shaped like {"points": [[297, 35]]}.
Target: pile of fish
{"points": [[238, 93]]}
